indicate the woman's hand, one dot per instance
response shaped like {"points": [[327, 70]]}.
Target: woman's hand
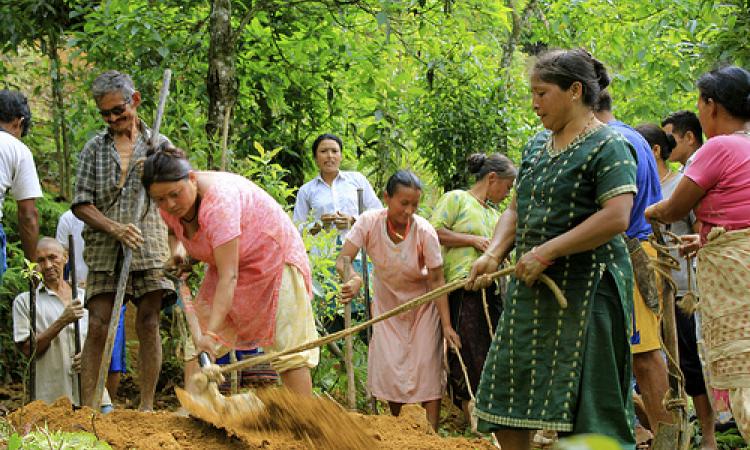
{"points": [[483, 265], [180, 262], [691, 243], [652, 212], [531, 265], [481, 243], [208, 344], [450, 335], [350, 289], [343, 221]]}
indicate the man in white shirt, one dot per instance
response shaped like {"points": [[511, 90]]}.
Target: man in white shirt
{"points": [[56, 312], [17, 172], [67, 225]]}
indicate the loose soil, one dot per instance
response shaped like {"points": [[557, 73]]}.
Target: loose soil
{"points": [[322, 425]]}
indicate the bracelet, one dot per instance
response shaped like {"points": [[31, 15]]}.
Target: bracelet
{"points": [[543, 261], [496, 258]]}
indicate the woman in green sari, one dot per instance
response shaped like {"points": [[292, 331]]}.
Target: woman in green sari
{"points": [[567, 370]]}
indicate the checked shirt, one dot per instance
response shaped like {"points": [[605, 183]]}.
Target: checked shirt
{"points": [[98, 183]]}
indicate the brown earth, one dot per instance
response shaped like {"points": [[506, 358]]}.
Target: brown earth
{"points": [[322, 425]]}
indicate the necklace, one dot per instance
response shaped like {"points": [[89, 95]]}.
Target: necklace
{"points": [[667, 176], [197, 210], [393, 231], [481, 202], [589, 128]]}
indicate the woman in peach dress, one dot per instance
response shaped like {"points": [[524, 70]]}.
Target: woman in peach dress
{"points": [[257, 287], [405, 354]]}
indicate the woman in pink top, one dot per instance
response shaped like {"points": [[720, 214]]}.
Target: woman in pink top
{"points": [[256, 291], [405, 354], [717, 185]]}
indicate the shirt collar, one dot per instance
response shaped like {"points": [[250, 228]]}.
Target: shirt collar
{"points": [[341, 175]]}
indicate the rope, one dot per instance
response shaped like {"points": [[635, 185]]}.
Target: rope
{"points": [[664, 263], [466, 373], [487, 313], [414, 303]]}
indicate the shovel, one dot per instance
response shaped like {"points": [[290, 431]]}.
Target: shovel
{"points": [[77, 323]]}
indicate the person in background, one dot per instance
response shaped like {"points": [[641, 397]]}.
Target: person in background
{"points": [[68, 225], [331, 200], [18, 173], [566, 370], [56, 311], [662, 145], [405, 355], [108, 186], [685, 129], [464, 221], [333, 193], [649, 367], [716, 186], [257, 287]]}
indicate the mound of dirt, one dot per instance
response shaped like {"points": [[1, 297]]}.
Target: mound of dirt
{"points": [[320, 425]]}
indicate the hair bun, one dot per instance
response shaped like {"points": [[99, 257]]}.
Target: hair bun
{"points": [[601, 73], [475, 162]]}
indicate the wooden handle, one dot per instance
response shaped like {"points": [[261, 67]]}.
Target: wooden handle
{"points": [[77, 323], [348, 342], [418, 301]]}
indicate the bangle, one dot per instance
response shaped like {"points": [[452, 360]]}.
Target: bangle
{"points": [[542, 260], [496, 258]]}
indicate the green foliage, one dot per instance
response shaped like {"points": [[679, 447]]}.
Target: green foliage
{"points": [[267, 174], [44, 439]]}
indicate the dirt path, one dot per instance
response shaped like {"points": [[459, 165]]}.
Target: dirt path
{"points": [[127, 429]]}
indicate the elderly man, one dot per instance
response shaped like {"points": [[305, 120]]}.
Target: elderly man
{"points": [[56, 311], [17, 172], [106, 194]]}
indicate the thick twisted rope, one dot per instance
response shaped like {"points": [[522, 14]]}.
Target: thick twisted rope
{"points": [[414, 303], [663, 264]]}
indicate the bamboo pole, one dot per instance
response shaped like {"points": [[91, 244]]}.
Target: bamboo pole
{"points": [[348, 343]]}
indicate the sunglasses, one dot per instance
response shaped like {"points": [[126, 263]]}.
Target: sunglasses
{"points": [[116, 111]]}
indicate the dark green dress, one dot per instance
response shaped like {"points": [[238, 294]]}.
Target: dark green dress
{"points": [[567, 370]]}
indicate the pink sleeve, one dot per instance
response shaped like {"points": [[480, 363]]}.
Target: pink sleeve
{"points": [[222, 214], [706, 168], [433, 258], [169, 219], [358, 234]]}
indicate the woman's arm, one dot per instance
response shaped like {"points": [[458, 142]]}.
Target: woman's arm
{"points": [[598, 229], [503, 240], [435, 280], [227, 266], [684, 198], [452, 239]]}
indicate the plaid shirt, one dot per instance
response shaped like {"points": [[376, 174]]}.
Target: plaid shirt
{"points": [[98, 184]]}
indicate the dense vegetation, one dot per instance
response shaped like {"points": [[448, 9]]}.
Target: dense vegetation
{"points": [[413, 83]]}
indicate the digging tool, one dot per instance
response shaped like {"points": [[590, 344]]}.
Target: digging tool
{"points": [[32, 337], [366, 282], [122, 281], [363, 256], [675, 436], [351, 388], [214, 408], [77, 323]]}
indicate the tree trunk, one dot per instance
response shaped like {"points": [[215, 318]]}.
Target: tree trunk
{"points": [[62, 144], [520, 21], [221, 81]]}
